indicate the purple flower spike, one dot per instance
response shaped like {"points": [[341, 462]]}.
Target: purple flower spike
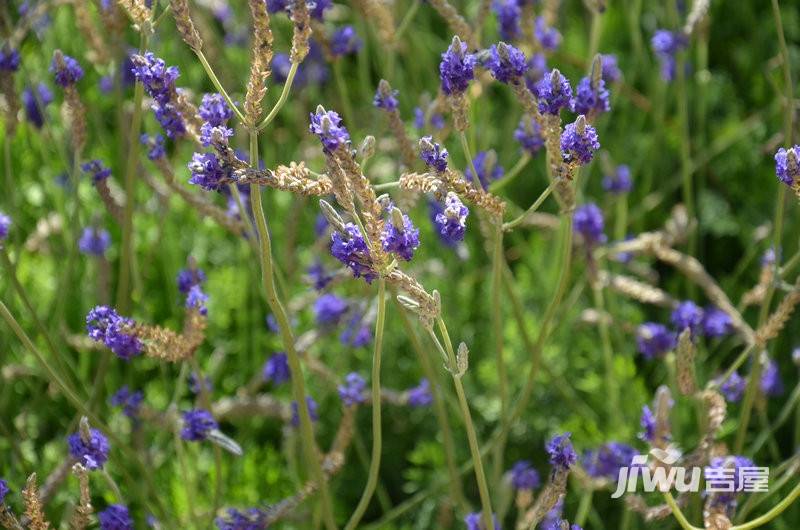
{"points": [[313, 411], [188, 278], [69, 74], [35, 100], [351, 249], [579, 142], [386, 98], [3, 490], [654, 340], [508, 15], [9, 60], [687, 315], [433, 154], [529, 135], [548, 37], [787, 167], [400, 239], [771, 383], [524, 476], [345, 41], [276, 369], [457, 68], [666, 44], [452, 221], [197, 424], [562, 455], [327, 126], [506, 63], [103, 324], [196, 299], [648, 424], [97, 169], [352, 392], [207, 171], [329, 309], [90, 448], [606, 461], [716, 322], [94, 241], [420, 395], [588, 222], [733, 387], [129, 401], [474, 521], [115, 517], [619, 182], [554, 93], [155, 146], [611, 72], [589, 98]]}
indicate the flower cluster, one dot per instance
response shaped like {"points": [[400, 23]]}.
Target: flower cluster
{"points": [[452, 220], [215, 113], [352, 391], [89, 448], [420, 395], [554, 93], [197, 424], [327, 126], [129, 401], [97, 169], [356, 333], [9, 59], [508, 16], [276, 369], [529, 135], [250, 519], [588, 222], [506, 63], [549, 38], [400, 236], [591, 97], [653, 339], [434, 155], [103, 324], [386, 98], [351, 249], [319, 275], [188, 278], [67, 72], [666, 44], [687, 315], [34, 100], [208, 171], [159, 82], [562, 454], [457, 68], [94, 241], [196, 299], [115, 517], [619, 181], [345, 41], [155, 146], [787, 164], [579, 142], [733, 387]]}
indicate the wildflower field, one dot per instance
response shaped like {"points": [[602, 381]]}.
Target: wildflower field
{"points": [[399, 264]]}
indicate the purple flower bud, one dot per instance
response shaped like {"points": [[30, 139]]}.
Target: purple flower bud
{"points": [[188, 278], [96, 169], [94, 241], [92, 452], [687, 315], [312, 411], [529, 135], [548, 37], [351, 249], [35, 102], [69, 74], [250, 519], [666, 44], [9, 59], [488, 169], [554, 93], [197, 424], [115, 517], [588, 222], [452, 221], [654, 340], [208, 172], [787, 164], [420, 395], [508, 16], [606, 461], [319, 275], [506, 62], [276, 369], [356, 333], [733, 387], [327, 126], [352, 392], [157, 78], [329, 309], [716, 322], [214, 110], [648, 425], [3, 490], [5, 226], [590, 98], [345, 41], [474, 521], [524, 476], [196, 299], [611, 72], [155, 144], [619, 182], [433, 154], [457, 68], [579, 142], [103, 324], [561, 453], [386, 98], [129, 401]]}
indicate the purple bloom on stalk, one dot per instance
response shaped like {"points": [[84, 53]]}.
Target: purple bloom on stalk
{"points": [[115, 517], [170, 119], [250, 519], [654, 340], [386, 100], [452, 221], [352, 392], [590, 98], [106, 84], [9, 59], [619, 182], [345, 41], [552, 519], [648, 424], [327, 126], [96, 169], [547, 36], [733, 387], [329, 309], [666, 44], [508, 14], [433, 154], [35, 102], [474, 521], [197, 424], [611, 72], [313, 411], [457, 68], [94, 241], [579, 142], [103, 324], [787, 164], [3, 490], [436, 120], [196, 299], [92, 452], [537, 68], [606, 461], [157, 78], [506, 62], [771, 383], [588, 222], [214, 110], [69, 74], [129, 401], [188, 278], [319, 275], [5, 225], [351, 249], [562, 455], [716, 471], [488, 169], [276, 369], [420, 395], [155, 145], [357, 333], [207, 171], [554, 93], [402, 241], [687, 315], [524, 476], [716, 322], [529, 135]]}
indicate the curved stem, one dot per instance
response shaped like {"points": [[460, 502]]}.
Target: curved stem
{"points": [[535, 206], [465, 147], [287, 87], [773, 513], [377, 441], [215, 81], [497, 332], [676, 511], [497, 185]]}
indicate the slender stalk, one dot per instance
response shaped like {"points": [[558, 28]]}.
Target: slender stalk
{"points": [[497, 332], [377, 441], [535, 206], [497, 185], [472, 438], [608, 356], [594, 35], [215, 81], [287, 87], [298, 385], [583, 507], [344, 93], [188, 482], [409, 16], [676, 511], [467, 153], [773, 513], [126, 256]]}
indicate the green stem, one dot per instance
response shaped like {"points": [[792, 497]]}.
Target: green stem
{"points": [[676, 511], [344, 93], [215, 81], [497, 185], [497, 332], [298, 385], [401, 28], [287, 87], [583, 507], [472, 438], [608, 356], [375, 460], [535, 206], [773, 513], [467, 153]]}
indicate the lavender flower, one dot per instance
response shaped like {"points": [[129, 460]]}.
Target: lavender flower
{"points": [[35, 102], [129, 401], [69, 73], [5, 226], [436, 120], [529, 135], [506, 63], [610, 71], [352, 392], [155, 146], [345, 41], [208, 172], [94, 241], [606, 461], [199, 384], [547, 36], [579, 142], [351, 249], [433, 154], [457, 68], [91, 448], [508, 15], [524, 476], [654, 340], [329, 309], [103, 324], [537, 68], [420, 395], [488, 169], [97, 169], [474, 521], [214, 110], [115, 517], [386, 99], [276, 369], [771, 383], [562, 455], [666, 44], [313, 411], [733, 387], [716, 322], [157, 78], [9, 59], [170, 118], [588, 222], [250, 519], [687, 315], [717, 466], [197, 424], [196, 299], [619, 182], [452, 221], [356, 333], [400, 240], [648, 425], [319, 275], [327, 126], [787, 166], [554, 93], [590, 97], [188, 278], [3, 490]]}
